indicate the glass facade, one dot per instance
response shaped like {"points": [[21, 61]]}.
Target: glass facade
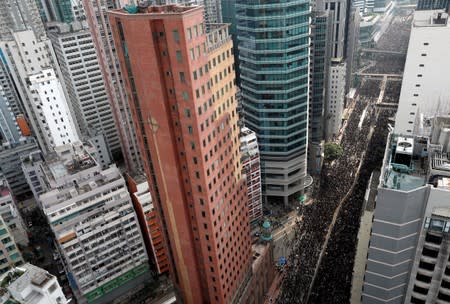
{"points": [[319, 75], [273, 42]]}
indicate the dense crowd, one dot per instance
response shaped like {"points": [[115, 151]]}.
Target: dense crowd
{"points": [[392, 91], [397, 37], [332, 284], [336, 180], [370, 88]]}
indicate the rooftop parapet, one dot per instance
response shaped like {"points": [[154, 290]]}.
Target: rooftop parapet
{"points": [[146, 8], [405, 163], [217, 35]]}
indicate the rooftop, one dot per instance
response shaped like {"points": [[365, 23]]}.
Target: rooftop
{"points": [[68, 160], [430, 18], [405, 166], [217, 35], [156, 10], [413, 161], [19, 278]]}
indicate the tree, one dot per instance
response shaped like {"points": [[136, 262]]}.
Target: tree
{"points": [[332, 151]]}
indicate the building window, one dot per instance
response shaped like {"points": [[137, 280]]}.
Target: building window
{"points": [[189, 31], [185, 95], [178, 54], [176, 35], [182, 78]]}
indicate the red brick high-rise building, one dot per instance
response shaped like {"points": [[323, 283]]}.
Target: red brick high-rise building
{"points": [[181, 86]]}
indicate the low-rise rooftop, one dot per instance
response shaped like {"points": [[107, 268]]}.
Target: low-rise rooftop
{"points": [[405, 166]]}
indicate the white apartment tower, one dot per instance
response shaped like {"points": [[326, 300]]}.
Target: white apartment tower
{"points": [[27, 52], [51, 109], [335, 98], [91, 214], [425, 85], [74, 48], [251, 167]]}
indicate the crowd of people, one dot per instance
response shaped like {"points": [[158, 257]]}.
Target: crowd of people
{"points": [[392, 91], [333, 282], [335, 182], [395, 39], [341, 179]]}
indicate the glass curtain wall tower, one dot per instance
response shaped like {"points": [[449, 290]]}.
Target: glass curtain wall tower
{"points": [[274, 42]]}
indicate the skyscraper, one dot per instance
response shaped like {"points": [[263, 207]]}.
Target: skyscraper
{"points": [[424, 90], [29, 59], [76, 54], [95, 12], [408, 253], [180, 83], [336, 96], [320, 66], [274, 65], [338, 10]]}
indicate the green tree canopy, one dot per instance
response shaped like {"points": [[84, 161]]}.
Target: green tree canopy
{"points": [[332, 151]]}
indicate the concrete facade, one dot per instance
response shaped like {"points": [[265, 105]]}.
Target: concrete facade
{"points": [[50, 107], [10, 214], [424, 91], [76, 54], [180, 84], [27, 55], [29, 284], [148, 220], [251, 167], [91, 214], [408, 249], [338, 21], [10, 164], [95, 12], [335, 98]]}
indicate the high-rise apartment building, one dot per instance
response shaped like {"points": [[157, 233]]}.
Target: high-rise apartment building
{"points": [[7, 90], [336, 98], [338, 20], [148, 220], [91, 214], [9, 129], [180, 83], [10, 255], [408, 252], [10, 215], [76, 54], [49, 106], [424, 89], [30, 284], [57, 10], [273, 41], [19, 15], [251, 167], [30, 59], [10, 163], [97, 19]]}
